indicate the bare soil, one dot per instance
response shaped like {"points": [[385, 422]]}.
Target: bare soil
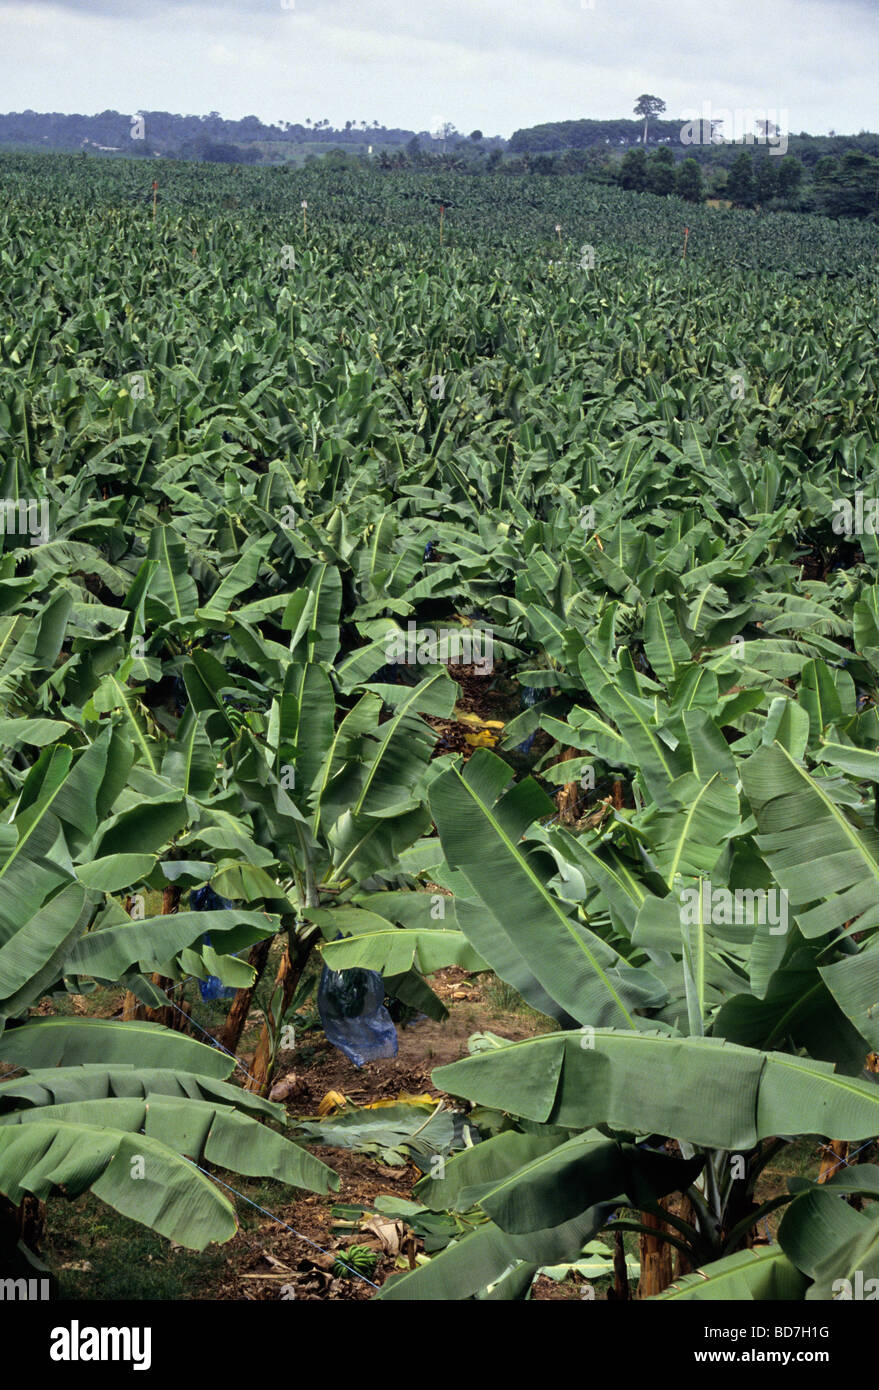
{"points": [[313, 1070]]}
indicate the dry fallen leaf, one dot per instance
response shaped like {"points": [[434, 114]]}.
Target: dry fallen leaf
{"points": [[322, 1259], [390, 1234], [274, 1263]]}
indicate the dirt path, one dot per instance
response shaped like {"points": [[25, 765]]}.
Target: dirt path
{"points": [[269, 1262]]}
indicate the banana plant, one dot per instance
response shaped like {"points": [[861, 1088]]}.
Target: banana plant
{"points": [[730, 1105], [826, 1249], [335, 797], [723, 1104], [131, 1111]]}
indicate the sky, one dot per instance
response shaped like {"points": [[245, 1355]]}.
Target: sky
{"points": [[494, 65]]}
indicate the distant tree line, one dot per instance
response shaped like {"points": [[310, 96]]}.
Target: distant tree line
{"points": [[836, 175], [206, 137], [584, 135], [557, 136], [833, 174]]}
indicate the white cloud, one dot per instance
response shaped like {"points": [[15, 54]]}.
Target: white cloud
{"points": [[484, 63], [220, 54]]}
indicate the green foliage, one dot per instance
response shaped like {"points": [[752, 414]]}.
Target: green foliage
{"points": [[633, 170], [741, 185], [848, 186], [688, 181], [258, 446], [661, 172]]}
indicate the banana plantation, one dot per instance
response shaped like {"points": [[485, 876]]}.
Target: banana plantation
{"points": [[442, 578]]}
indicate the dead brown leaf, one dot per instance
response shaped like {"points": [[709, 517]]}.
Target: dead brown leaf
{"points": [[389, 1234]]}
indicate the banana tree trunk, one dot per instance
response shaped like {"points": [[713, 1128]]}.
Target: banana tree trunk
{"points": [[834, 1157], [656, 1257], [683, 1208], [621, 1292], [289, 974], [568, 799], [132, 1008], [182, 1022], [167, 1013], [131, 1005], [288, 977], [240, 1007]]}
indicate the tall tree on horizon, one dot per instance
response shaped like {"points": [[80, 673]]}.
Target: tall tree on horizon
{"points": [[648, 106]]}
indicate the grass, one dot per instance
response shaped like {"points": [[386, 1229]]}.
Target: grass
{"points": [[502, 998], [800, 1159], [98, 1254]]}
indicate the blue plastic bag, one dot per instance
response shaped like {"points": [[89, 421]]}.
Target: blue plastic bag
{"points": [[206, 900], [351, 1007], [529, 697]]}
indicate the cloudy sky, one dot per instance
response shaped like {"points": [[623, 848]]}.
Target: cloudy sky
{"points": [[492, 64]]}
